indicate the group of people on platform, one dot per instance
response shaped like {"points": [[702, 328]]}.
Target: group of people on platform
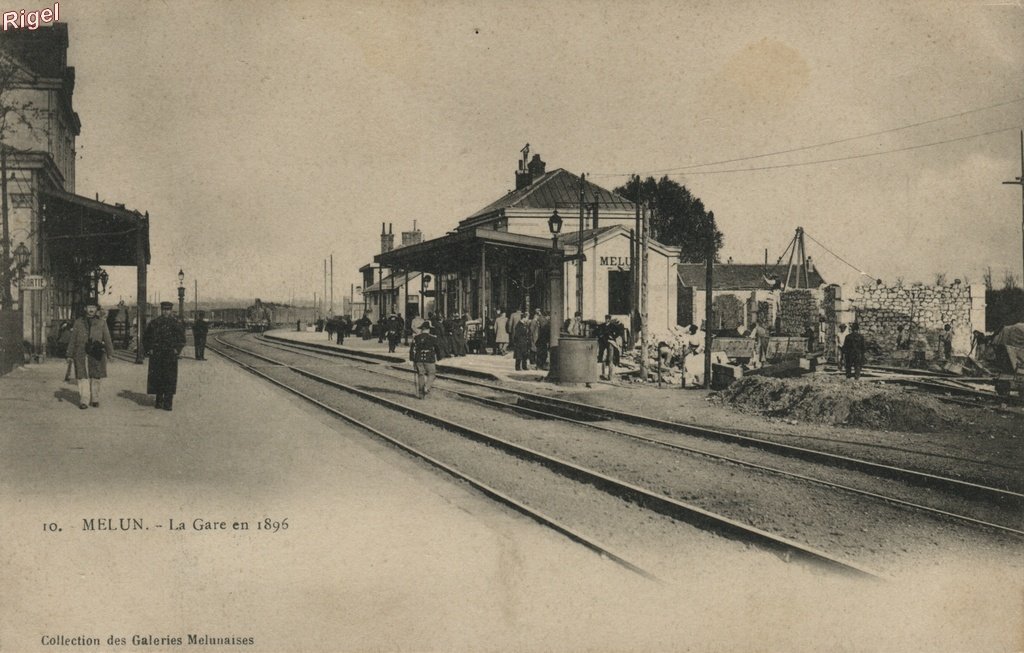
{"points": [[90, 349], [527, 336], [336, 326]]}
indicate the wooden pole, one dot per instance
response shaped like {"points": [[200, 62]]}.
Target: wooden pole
{"points": [[709, 259], [645, 240], [579, 250]]}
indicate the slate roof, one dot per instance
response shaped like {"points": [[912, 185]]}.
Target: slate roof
{"points": [[574, 237], [743, 276], [391, 282], [44, 49], [558, 189]]}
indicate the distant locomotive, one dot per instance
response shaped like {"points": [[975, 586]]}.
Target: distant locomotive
{"points": [[258, 318]]}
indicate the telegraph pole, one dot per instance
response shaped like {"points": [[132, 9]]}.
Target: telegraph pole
{"points": [[1018, 182], [634, 264], [709, 262], [645, 228], [332, 283], [579, 250], [6, 298]]}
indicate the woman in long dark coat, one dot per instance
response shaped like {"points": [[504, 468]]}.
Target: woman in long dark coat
{"points": [[90, 347]]}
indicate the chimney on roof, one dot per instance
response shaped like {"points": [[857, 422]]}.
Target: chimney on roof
{"points": [[523, 176], [413, 237], [387, 240], [536, 166]]}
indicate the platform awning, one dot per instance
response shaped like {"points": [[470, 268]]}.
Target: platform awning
{"points": [[458, 251], [93, 231]]}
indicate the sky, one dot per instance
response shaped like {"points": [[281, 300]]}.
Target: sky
{"points": [[262, 137]]}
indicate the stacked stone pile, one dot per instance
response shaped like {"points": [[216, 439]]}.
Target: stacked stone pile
{"points": [[797, 309]]}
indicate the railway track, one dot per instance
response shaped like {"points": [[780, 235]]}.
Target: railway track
{"points": [[571, 417], [1006, 498], [611, 485]]}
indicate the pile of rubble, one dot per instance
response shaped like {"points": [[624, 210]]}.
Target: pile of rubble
{"points": [[832, 400], [667, 349]]}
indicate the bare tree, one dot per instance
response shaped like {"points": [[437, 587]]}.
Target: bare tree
{"points": [[940, 278], [1009, 281], [986, 278]]}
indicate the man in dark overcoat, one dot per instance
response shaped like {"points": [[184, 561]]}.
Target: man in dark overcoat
{"points": [[521, 343], [162, 342], [199, 331], [393, 333], [853, 351]]}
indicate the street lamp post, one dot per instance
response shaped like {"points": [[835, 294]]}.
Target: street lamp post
{"points": [[22, 256], [181, 294], [555, 226]]}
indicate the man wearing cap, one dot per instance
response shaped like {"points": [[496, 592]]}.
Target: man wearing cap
{"points": [[89, 348], [163, 341], [424, 352], [199, 330]]}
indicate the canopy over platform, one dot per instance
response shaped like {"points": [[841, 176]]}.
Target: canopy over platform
{"points": [[460, 251], [92, 233]]}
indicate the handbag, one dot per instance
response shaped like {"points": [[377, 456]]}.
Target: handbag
{"points": [[95, 349]]}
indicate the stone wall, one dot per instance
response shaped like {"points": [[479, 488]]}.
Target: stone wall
{"points": [[922, 311]]}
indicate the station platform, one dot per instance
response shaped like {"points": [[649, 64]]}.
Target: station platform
{"points": [[367, 548], [484, 366]]}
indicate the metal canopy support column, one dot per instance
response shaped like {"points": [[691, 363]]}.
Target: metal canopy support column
{"points": [[140, 290], [482, 300], [459, 308]]}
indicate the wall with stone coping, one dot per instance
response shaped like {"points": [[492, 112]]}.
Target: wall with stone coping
{"points": [[921, 310]]}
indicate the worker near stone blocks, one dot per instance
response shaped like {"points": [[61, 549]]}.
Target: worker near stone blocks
{"points": [[760, 336], [162, 342], [853, 352], [840, 341], [947, 341]]}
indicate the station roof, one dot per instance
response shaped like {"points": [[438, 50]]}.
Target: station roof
{"points": [[391, 282], [458, 250], [91, 231], [558, 189], [744, 276]]}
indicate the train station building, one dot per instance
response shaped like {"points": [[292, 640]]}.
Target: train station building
{"points": [[56, 244], [503, 256]]}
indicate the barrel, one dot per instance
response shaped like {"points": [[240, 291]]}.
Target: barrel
{"points": [[577, 360]]}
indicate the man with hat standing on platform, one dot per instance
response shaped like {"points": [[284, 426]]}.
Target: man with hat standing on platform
{"points": [[199, 330], [424, 352], [89, 348], [163, 341]]}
